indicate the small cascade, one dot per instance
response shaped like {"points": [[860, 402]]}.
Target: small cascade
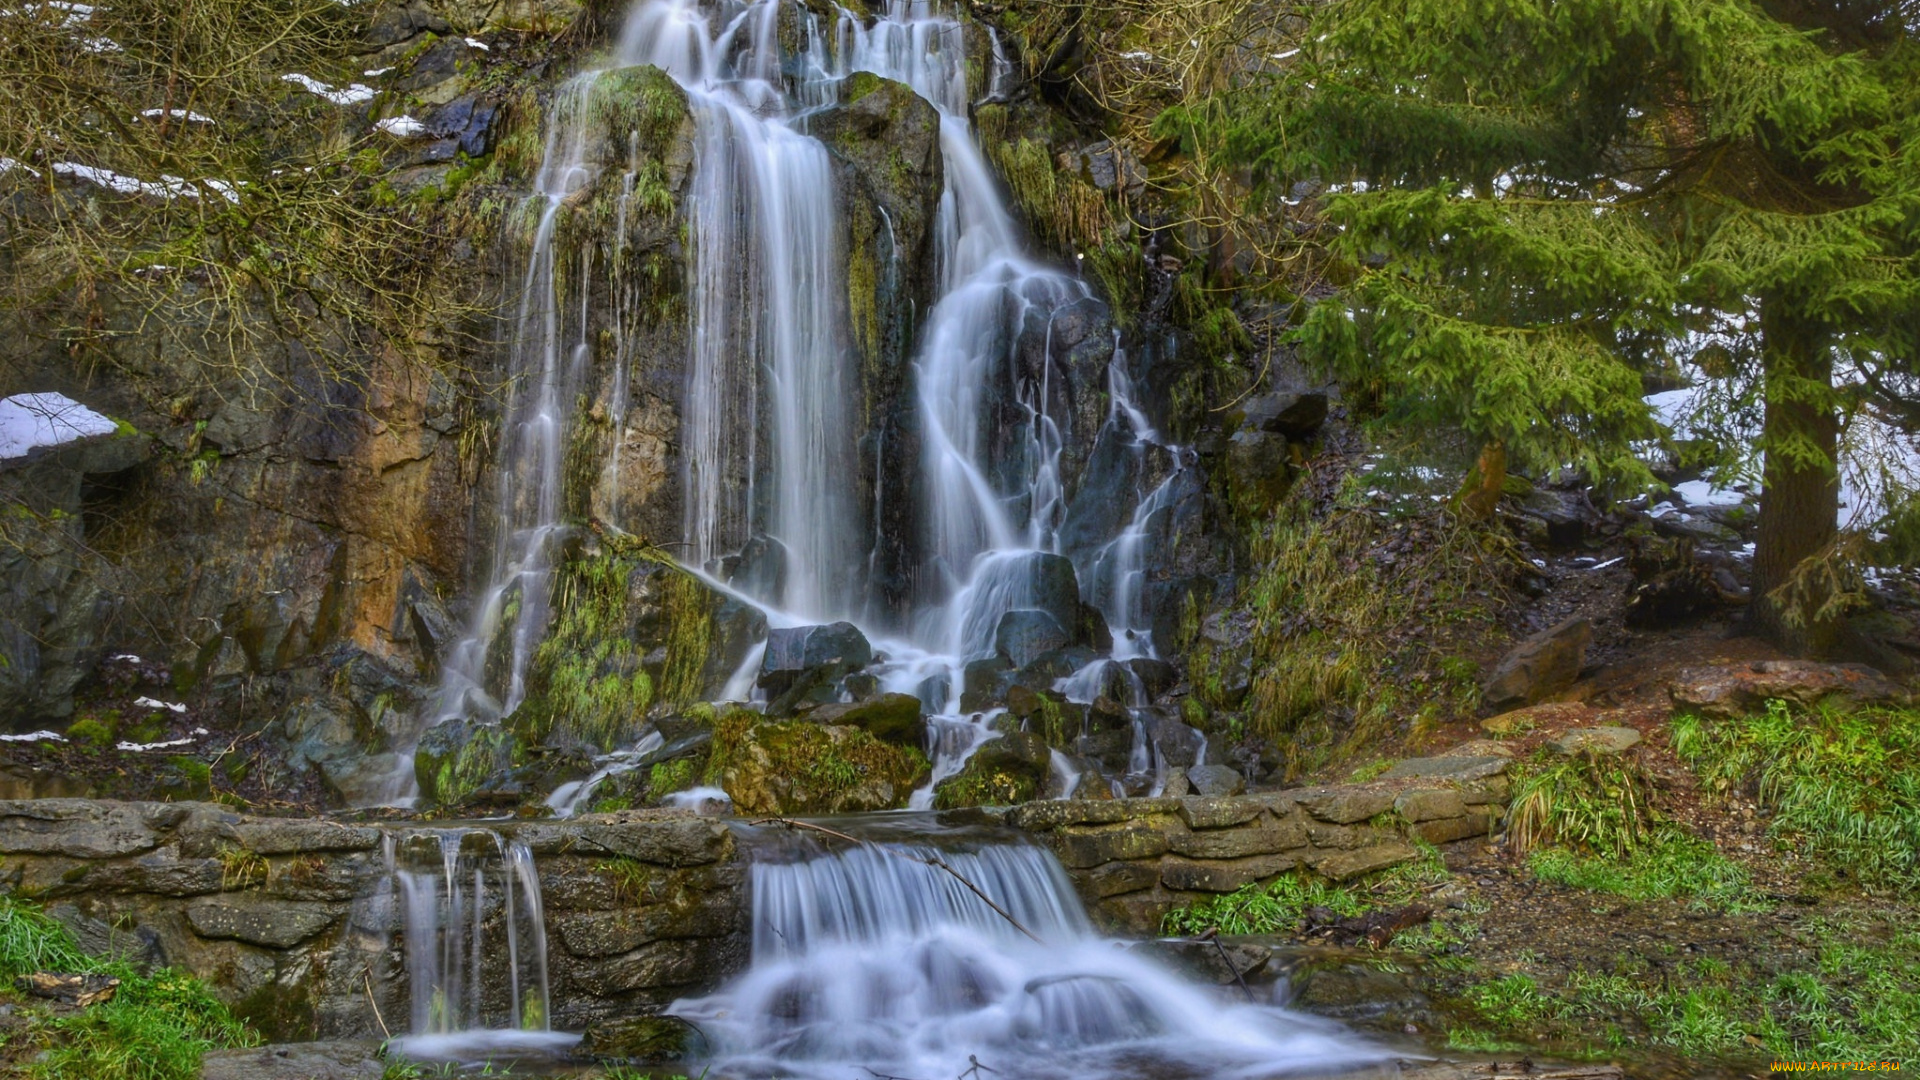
{"points": [[474, 927], [874, 961]]}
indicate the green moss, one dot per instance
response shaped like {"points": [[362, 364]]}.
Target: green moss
{"points": [[90, 732], [668, 777], [860, 84], [993, 787], [810, 767]]}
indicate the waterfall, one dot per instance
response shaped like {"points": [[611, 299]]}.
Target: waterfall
{"points": [[871, 961], [474, 927]]}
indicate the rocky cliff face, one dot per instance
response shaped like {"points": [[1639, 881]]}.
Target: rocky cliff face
{"points": [[290, 534]]}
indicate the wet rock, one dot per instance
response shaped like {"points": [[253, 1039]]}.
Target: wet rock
{"points": [[1540, 666], [1024, 635], [456, 756], [1216, 781], [1546, 715], [1725, 691], [276, 924], [933, 691], [1596, 740], [82, 828], [1296, 415], [644, 1039], [1213, 962], [1343, 805], [1345, 865], [802, 768], [1004, 771], [819, 651], [343, 1060], [1176, 784], [1223, 876], [983, 684], [1156, 676], [1259, 469], [894, 718]]}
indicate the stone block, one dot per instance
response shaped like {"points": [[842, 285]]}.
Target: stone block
{"points": [[82, 828], [1426, 804], [1205, 813], [1460, 769], [1237, 843], [276, 924], [1079, 847], [1058, 813], [1605, 739], [1345, 865], [296, 1061], [601, 933], [1115, 879], [653, 965], [1493, 789], [1342, 805], [1447, 830], [292, 837], [1221, 877], [159, 873], [1342, 837]]}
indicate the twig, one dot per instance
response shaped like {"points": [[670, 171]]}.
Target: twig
{"points": [[976, 1070], [928, 860], [881, 1075], [366, 975], [1213, 935]]}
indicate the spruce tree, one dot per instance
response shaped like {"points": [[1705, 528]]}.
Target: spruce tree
{"points": [[1534, 202]]}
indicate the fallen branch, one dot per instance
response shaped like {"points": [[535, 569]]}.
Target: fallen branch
{"points": [[928, 860], [1213, 935], [366, 975]]}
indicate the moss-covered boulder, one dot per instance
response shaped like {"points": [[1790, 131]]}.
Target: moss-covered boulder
{"points": [[631, 630], [1004, 771], [797, 767], [894, 718], [456, 756]]}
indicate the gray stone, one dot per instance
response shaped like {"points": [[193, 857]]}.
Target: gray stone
{"points": [[1345, 865], [794, 652], [1203, 813], [1297, 415], [649, 1039], [1216, 780], [1540, 666], [1596, 740], [1343, 805], [1024, 635], [894, 718], [267, 836], [83, 828], [1118, 878], [277, 924], [1041, 816], [1222, 877], [1239, 843], [1214, 962], [1447, 830], [1426, 804], [344, 1060], [662, 837], [1084, 847], [1447, 768]]}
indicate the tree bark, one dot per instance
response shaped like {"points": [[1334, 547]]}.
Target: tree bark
{"points": [[1799, 497]]}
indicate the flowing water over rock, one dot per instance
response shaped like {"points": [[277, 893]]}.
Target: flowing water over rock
{"points": [[876, 960]]}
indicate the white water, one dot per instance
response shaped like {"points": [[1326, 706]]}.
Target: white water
{"points": [[868, 962], [474, 928]]}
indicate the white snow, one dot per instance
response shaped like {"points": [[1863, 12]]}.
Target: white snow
{"points": [[1702, 493], [476, 43], [374, 73], [155, 703], [354, 94], [35, 736], [401, 127], [7, 165], [178, 114], [30, 421]]}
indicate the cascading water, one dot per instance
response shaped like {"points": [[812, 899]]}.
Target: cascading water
{"points": [[871, 961], [474, 927]]}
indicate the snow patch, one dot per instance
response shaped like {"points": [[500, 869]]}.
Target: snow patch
{"points": [[401, 127], [35, 736], [353, 94], [156, 703], [476, 43], [177, 114], [30, 421]]}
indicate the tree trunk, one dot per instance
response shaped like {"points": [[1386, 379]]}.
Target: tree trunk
{"points": [[1800, 493]]}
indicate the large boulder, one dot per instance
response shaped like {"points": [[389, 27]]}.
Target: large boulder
{"points": [[802, 652], [1295, 414], [457, 755], [893, 718], [1026, 634], [1012, 768], [1724, 691], [1539, 667], [802, 768]]}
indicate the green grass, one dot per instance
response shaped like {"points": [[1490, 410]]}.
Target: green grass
{"points": [[1668, 865], [1845, 988], [156, 1027], [1844, 784], [1595, 803], [1278, 908]]}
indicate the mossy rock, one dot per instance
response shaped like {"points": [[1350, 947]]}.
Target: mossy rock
{"points": [[1002, 772], [797, 767], [456, 756], [894, 718], [653, 1040]]}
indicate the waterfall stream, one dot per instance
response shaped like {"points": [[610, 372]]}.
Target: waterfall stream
{"points": [[871, 961]]}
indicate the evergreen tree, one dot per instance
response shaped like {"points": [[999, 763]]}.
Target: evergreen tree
{"points": [[1538, 201]]}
